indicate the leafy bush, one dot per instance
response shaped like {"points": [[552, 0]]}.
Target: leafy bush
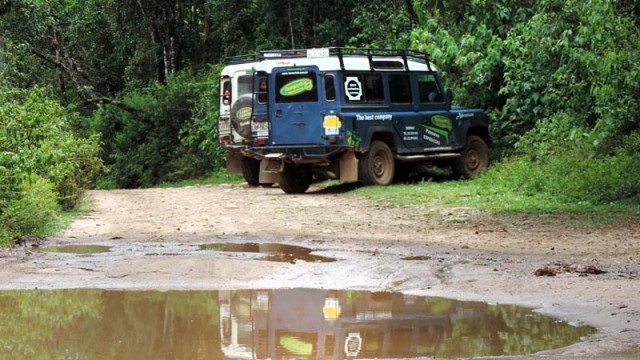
{"points": [[560, 81], [43, 165], [35, 210], [575, 175], [169, 135], [38, 140]]}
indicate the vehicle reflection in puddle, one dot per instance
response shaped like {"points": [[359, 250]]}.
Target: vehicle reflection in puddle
{"points": [[78, 249], [274, 252], [262, 324]]}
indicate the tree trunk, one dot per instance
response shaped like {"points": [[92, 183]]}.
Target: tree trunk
{"points": [[293, 44]]}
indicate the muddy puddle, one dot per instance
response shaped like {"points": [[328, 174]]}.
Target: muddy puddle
{"points": [[261, 324], [272, 252], [77, 249]]}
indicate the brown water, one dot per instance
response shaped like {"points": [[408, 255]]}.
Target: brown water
{"points": [[274, 252], [260, 324], [78, 249]]}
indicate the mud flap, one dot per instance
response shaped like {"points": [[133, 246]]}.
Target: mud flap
{"points": [[267, 175], [349, 167], [234, 162]]}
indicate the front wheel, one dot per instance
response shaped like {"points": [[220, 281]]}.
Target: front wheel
{"points": [[377, 166], [295, 179], [474, 158]]}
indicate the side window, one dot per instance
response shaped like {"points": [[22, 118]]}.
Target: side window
{"points": [[263, 90], [429, 91], [363, 88], [400, 89], [329, 88], [296, 86]]}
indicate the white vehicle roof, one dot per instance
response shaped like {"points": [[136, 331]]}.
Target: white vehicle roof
{"points": [[231, 70], [334, 59]]}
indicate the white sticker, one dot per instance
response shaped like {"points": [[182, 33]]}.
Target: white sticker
{"points": [[318, 53], [353, 88]]}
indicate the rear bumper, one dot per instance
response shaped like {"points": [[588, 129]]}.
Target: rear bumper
{"points": [[298, 154]]}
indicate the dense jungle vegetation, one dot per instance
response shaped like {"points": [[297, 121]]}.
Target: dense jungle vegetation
{"points": [[125, 92]]}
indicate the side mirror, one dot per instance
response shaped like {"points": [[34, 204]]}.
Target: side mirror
{"points": [[448, 98]]}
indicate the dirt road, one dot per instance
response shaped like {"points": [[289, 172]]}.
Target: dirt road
{"points": [[463, 254]]}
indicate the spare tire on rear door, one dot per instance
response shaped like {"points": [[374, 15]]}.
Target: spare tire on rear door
{"points": [[241, 115]]}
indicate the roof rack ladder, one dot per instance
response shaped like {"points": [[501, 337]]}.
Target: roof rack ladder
{"points": [[340, 58], [404, 59]]}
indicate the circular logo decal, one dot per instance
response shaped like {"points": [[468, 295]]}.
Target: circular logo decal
{"points": [[353, 88], [244, 113]]}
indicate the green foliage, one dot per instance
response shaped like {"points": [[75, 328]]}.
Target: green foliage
{"points": [[576, 60], [170, 135], [37, 140], [34, 211], [381, 24], [42, 164]]}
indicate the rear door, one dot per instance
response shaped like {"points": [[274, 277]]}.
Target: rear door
{"points": [[295, 107]]}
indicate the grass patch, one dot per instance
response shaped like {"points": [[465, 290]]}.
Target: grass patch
{"points": [[217, 178], [66, 217], [492, 193]]}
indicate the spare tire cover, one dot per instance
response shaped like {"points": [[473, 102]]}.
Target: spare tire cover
{"points": [[241, 115]]}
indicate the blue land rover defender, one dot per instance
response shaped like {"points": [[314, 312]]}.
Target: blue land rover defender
{"points": [[349, 114]]}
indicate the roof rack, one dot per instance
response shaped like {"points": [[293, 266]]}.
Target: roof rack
{"points": [[340, 52], [241, 59]]}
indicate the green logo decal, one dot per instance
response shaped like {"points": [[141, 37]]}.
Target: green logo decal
{"points": [[244, 113], [432, 131], [296, 87], [442, 122], [353, 139]]}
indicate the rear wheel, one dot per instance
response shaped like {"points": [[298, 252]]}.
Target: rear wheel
{"points": [[377, 166], [251, 171], [295, 179], [474, 158]]}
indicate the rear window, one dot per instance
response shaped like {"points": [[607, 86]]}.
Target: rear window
{"points": [[226, 92], [329, 88], [263, 90], [245, 85], [296, 86]]}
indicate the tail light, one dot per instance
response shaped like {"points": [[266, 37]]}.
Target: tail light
{"points": [[259, 129]]}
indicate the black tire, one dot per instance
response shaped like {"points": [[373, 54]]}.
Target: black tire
{"points": [[241, 115], [295, 179], [251, 171], [377, 166], [474, 158]]}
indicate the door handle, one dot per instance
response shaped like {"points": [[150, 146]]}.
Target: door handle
{"points": [[278, 113]]}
